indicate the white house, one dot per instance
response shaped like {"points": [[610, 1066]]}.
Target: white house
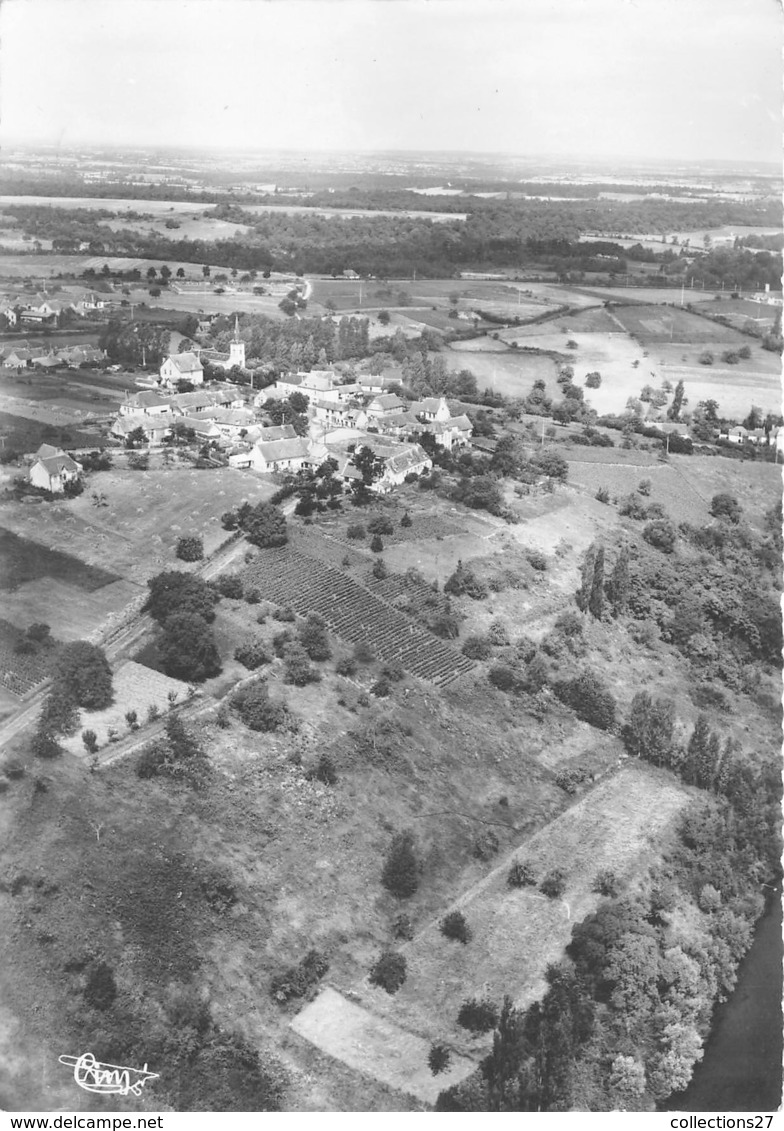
{"points": [[148, 403], [52, 472], [388, 404], [431, 408], [182, 367], [156, 427], [738, 434], [275, 455], [400, 461]]}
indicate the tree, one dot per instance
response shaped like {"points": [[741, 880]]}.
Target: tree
{"points": [[593, 380], [619, 584], [454, 926], [90, 740], [265, 526], [84, 672], [554, 883], [190, 548], [438, 1058], [176, 592], [299, 670], [389, 971], [400, 874], [136, 438], [726, 506], [650, 729], [257, 710], [596, 596], [384, 317], [376, 544], [589, 698], [371, 468], [478, 1016], [661, 534], [187, 648], [674, 411], [314, 639]]}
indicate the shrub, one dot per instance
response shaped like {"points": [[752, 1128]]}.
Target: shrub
{"points": [[153, 712], [705, 358], [570, 780], [554, 883], [299, 669], [132, 719], [281, 641], [376, 545], [603, 495], [298, 980], [90, 740], [477, 648], [380, 524], [726, 506], [478, 1016], [285, 615], [190, 549], [325, 770], [505, 678], [537, 560], [521, 874], [380, 570], [606, 883], [45, 745], [382, 688], [253, 597], [593, 380], [389, 971], [438, 1059], [454, 926], [402, 928], [662, 534], [393, 671], [265, 526], [230, 585], [346, 665], [257, 710], [356, 531], [400, 874], [252, 654], [589, 698], [485, 845], [406, 520], [730, 357], [101, 988], [363, 653], [314, 639], [219, 892]]}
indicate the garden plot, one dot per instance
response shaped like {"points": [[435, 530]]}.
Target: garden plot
{"points": [[136, 688], [375, 1047], [517, 932]]}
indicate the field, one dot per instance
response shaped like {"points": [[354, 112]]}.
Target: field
{"points": [[516, 933], [125, 542], [503, 371], [135, 689], [36, 267]]}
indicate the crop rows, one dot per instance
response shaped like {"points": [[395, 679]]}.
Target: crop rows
{"points": [[18, 673], [308, 586]]}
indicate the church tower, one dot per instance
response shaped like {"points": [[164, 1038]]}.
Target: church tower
{"points": [[236, 348]]}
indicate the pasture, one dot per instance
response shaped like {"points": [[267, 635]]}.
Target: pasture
{"points": [[518, 932], [503, 371]]}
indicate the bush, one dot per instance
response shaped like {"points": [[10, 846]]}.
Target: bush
{"points": [[403, 928], [45, 745], [477, 648], [252, 654], [101, 988], [281, 641], [284, 615], [314, 639], [505, 678], [521, 874], [406, 520], [346, 665], [190, 549], [478, 1016], [325, 771], [454, 926], [726, 506], [438, 1059], [253, 597], [299, 669], [363, 653], [554, 883], [382, 688], [570, 780], [400, 874], [589, 698], [603, 495], [662, 534], [265, 526], [298, 980], [257, 710], [606, 883], [537, 560], [376, 545], [356, 531], [393, 671], [380, 524], [485, 845], [389, 971], [230, 585], [380, 570], [705, 358]]}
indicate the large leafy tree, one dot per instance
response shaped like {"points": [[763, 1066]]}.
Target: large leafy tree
{"points": [[187, 648], [264, 525], [83, 671], [177, 592]]}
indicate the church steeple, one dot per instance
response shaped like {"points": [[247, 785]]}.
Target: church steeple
{"points": [[237, 347]]}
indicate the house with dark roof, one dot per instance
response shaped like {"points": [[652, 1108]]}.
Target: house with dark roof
{"points": [[431, 408], [155, 427], [289, 454], [182, 367], [53, 472], [147, 402], [19, 358], [387, 404]]}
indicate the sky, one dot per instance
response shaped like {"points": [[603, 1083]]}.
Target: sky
{"points": [[656, 79]]}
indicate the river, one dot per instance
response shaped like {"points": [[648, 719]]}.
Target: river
{"points": [[741, 1069]]}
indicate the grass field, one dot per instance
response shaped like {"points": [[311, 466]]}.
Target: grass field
{"points": [[512, 374], [22, 561], [518, 932], [34, 267]]}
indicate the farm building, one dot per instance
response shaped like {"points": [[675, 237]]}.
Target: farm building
{"points": [[46, 361], [205, 401], [149, 403], [738, 434], [52, 472], [410, 459], [18, 359], [232, 421], [205, 429], [80, 355], [275, 455], [388, 404], [156, 428], [182, 367], [431, 408], [371, 385], [277, 432]]}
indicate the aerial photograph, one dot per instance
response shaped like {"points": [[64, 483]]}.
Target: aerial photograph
{"points": [[391, 452]]}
